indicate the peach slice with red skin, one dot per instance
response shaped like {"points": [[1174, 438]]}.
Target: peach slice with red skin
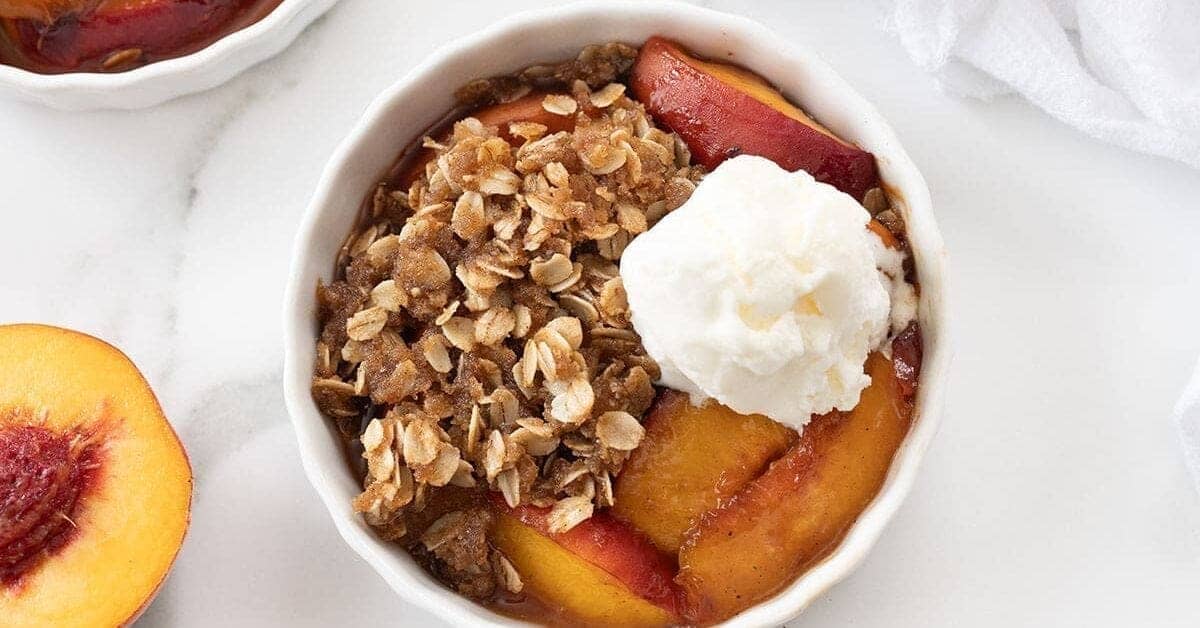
{"points": [[789, 518], [692, 458], [67, 35], [95, 488], [722, 111], [613, 546], [572, 590]]}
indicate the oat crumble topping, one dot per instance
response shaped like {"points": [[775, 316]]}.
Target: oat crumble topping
{"points": [[480, 327]]}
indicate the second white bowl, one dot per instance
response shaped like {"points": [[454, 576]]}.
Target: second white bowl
{"points": [[171, 78]]}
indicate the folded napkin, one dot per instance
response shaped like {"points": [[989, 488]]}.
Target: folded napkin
{"points": [[1123, 71]]}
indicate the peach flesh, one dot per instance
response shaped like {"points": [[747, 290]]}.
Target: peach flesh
{"points": [[527, 108], [705, 454], [793, 515], [567, 589], [45, 476], [615, 547], [131, 508]]}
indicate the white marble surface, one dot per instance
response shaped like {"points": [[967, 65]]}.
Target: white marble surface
{"points": [[1054, 495]]}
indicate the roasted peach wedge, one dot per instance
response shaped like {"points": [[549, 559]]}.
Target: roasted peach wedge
{"points": [[692, 458], [722, 111], [789, 518], [95, 488], [601, 572], [615, 547], [111, 35], [527, 108]]}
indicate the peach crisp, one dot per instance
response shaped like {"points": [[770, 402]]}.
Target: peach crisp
{"points": [[512, 422], [57, 36]]}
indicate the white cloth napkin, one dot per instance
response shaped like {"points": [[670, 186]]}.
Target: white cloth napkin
{"points": [[1123, 71]]}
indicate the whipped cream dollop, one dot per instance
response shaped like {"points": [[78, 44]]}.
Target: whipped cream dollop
{"points": [[761, 292]]}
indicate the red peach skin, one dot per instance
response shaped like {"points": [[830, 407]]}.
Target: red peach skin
{"points": [[572, 591], [615, 547], [722, 111]]}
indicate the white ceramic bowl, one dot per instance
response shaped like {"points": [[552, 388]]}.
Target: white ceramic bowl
{"points": [[419, 99], [161, 81]]}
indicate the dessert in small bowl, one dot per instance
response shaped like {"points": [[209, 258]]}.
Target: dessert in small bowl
{"points": [[624, 336], [92, 54]]}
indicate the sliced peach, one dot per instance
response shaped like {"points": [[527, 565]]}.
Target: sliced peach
{"points": [[95, 488], [569, 585], [66, 35], [527, 108], [615, 547], [794, 514], [689, 461], [722, 111]]}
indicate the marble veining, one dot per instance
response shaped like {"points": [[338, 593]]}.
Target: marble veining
{"points": [[168, 232]]}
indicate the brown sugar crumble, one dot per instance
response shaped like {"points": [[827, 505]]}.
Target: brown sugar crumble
{"points": [[478, 335]]}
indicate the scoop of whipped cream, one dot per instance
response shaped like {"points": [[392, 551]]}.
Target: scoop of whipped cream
{"points": [[761, 292]]}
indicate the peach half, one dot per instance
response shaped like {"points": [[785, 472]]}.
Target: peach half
{"points": [[95, 488]]}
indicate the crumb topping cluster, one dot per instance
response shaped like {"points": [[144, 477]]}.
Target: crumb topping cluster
{"points": [[481, 330]]}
